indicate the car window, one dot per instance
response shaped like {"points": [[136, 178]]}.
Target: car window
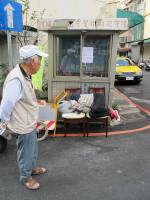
{"points": [[122, 63]]}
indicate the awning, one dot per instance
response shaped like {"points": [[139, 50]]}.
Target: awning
{"points": [[133, 17]]}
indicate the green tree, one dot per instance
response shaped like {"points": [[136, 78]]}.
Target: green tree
{"points": [[30, 20]]}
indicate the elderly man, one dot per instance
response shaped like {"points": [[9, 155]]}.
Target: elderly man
{"points": [[19, 110]]}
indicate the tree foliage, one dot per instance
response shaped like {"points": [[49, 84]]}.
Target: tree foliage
{"points": [[30, 20]]}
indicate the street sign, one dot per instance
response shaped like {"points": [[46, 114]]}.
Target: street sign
{"points": [[11, 16]]}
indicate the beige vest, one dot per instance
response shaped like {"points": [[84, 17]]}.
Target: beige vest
{"points": [[25, 113]]}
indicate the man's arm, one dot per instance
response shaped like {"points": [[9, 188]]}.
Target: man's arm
{"points": [[11, 95]]}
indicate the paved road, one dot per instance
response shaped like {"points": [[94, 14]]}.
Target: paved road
{"points": [[116, 168], [139, 93]]}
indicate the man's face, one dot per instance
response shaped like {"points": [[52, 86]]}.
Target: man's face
{"points": [[35, 64]]}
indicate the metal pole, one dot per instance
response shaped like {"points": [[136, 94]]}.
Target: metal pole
{"points": [[9, 45]]}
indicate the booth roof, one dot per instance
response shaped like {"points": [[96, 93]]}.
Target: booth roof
{"points": [[111, 24]]}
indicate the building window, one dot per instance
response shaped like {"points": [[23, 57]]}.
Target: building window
{"points": [[68, 55], [99, 66]]}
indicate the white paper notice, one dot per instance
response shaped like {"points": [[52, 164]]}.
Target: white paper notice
{"points": [[87, 55]]}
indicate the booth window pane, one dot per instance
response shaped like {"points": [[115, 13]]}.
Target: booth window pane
{"points": [[67, 55], [99, 65]]}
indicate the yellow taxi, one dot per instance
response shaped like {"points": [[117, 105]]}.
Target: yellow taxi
{"points": [[126, 70]]}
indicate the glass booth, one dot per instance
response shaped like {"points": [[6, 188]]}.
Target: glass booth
{"points": [[82, 54]]}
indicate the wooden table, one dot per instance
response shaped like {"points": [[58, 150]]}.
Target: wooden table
{"points": [[73, 118]]}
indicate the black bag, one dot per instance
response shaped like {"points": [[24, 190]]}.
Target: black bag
{"points": [[98, 107]]}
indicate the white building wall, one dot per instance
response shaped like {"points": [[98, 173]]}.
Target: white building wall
{"points": [[135, 53], [108, 10], [60, 9], [146, 52], [147, 19], [146, 30], [70, 8]]}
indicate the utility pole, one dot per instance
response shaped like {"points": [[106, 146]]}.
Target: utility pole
{"points": [[9, 45], [10, 24]]}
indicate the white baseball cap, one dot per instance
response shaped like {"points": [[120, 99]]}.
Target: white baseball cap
{"points": [[31, 50]]}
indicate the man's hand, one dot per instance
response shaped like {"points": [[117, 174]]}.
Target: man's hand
{"points": [[41, 102], [5, 133], [3, 126]]}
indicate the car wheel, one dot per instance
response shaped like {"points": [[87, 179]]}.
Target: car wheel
{"points": [[3, 144]]}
